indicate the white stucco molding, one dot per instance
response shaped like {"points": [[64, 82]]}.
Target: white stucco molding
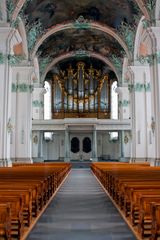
{"points": [[98, 124]]}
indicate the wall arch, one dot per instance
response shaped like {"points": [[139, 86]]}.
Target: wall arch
{"points": [[143, 8], [143, 41], [17, 9], [72, 54], [70, 25]]}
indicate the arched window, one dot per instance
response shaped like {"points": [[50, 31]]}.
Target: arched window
{"points": [[114, 101], [47, 101]]}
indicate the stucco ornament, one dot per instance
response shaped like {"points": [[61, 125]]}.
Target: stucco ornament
{"points": [[9, 126], [35, 139], [81, 23], [43, 63], [2, 58], [33, 33], [10, 9], [128, 34], [153, 125], [126, 139]]}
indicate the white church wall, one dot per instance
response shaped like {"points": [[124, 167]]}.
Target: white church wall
{"points": [[35, 144], [127, 145], [140, 113], [13, 114], [107, 149], [143, 101], [22, 85], [54, 150], [8, 37], [125, 103], [38, 103]]}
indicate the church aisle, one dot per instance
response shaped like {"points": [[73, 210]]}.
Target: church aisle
{"points": [[81, 211]]}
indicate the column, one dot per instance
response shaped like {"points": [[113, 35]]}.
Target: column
{"points": [[121, 142], [22, 113], [155, 33], [6, 126], [40, 152], [142, 112], [67, 146], [94, 146]]}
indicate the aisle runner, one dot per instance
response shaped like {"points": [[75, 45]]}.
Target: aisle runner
{"points": [[81, 211]]}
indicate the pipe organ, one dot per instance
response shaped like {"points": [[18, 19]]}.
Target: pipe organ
{"points": [[81, 92]]}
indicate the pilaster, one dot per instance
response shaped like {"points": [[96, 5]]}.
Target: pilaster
{"points": [[67, 146], [22, 113], [7, 35], [38, 102], [94, 146], [143, 137]]}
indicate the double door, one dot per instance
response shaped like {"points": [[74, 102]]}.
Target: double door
{"points": [[80, 146]]}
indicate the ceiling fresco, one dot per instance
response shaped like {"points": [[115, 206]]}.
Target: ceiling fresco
{"points": [[73, 40], [53, 12]]}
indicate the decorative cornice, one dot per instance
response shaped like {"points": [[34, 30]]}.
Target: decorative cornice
{"points": [[124, 103], [149, 59], [139, 87], [12, 59], [2, 58], [23, 87], [38, 104]]}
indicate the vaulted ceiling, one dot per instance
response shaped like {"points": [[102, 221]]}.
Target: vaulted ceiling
{"points": [[51, 13]]}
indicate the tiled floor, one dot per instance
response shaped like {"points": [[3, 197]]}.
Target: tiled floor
{"points": [[81, 211]]}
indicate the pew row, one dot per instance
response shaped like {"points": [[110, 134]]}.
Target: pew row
{"points": [[24, 192], [135, 190]]}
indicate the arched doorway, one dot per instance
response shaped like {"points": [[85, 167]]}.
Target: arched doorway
{"points": [[80, 147]]}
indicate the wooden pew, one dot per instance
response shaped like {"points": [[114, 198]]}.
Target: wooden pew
{"points": [[134, 188], [5, 221], [155, 230], [16, 206], [27, 189]]}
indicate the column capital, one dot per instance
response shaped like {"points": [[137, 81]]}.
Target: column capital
{"points": [[40, 90]]}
